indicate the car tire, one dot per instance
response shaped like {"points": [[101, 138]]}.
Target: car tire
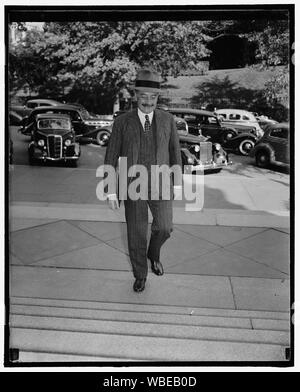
{"points": [[73, 163], [262, 158], [32, 161], [102, 138], [245, 146]]}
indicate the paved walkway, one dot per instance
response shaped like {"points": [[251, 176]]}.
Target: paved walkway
{"points": [[244, 197], [225, 294], [227, 278]]}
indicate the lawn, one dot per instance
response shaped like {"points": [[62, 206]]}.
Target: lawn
{"points": [[182, 88]]}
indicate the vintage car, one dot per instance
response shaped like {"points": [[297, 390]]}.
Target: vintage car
{"points": [[53, 139], [206, 123], [264, 121], [199, 154], [87, 129], [242, 120], [24, 110], [273, 147]]}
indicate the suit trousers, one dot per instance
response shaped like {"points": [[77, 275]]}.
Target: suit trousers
{"points": [[136, 213]]}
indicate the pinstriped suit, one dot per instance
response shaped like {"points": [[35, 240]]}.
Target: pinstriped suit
{"points": [[126, 142]]}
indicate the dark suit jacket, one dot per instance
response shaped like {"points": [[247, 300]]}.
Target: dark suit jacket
{"points": [[125, 140]]}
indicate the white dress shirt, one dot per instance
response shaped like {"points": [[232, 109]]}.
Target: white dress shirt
{"points": [[143, 119]]}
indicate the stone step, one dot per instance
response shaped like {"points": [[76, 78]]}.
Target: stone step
{"points": [[144, 317], [112, 327], [30, 356], [160, 309], [143, 348]]}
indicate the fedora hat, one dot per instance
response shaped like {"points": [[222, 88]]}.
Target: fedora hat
{"points": [[148, 80]]}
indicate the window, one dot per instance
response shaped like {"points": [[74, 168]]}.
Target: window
{"points": [[54, 124], [234, 117], [189, 117], [281, 133], [31, 105], [74, 115], [245, 118], [212, 120]]}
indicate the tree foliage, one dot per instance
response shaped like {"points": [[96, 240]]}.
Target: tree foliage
{"points": [[97, 59], [90, 62]]}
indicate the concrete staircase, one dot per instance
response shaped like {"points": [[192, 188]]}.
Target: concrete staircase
{"points": [[45, 330]]}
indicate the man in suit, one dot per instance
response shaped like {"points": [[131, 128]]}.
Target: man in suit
{"points": [[146, 136]]}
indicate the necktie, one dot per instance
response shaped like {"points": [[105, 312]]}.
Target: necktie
{"points": [[147, 123]]}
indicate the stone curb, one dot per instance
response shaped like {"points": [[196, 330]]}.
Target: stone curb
{"points": [[92, 212]]}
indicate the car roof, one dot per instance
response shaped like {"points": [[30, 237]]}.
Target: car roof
{"points": [[237, 111], [191, 111], [43, 100], [56, 107], [52, 115], [233, 110]]}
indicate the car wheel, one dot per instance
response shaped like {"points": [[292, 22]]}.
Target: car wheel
{"points": [[102, 138], [73, 163], [262, 159], [32, 161], [245, 146]]}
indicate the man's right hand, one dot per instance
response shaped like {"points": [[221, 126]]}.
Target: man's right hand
{"points": [[113, 202]]}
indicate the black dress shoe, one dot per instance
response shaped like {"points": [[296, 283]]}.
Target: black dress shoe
{"points": [[139, 285], [157, 267]]}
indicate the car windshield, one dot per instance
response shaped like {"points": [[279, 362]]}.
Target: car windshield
{"points": [[57, 123]]}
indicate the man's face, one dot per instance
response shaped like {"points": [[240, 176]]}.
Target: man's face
{"points": [[146, 101]]}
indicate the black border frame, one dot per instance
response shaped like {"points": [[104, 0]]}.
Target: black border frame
{"points": [[188, 12]]}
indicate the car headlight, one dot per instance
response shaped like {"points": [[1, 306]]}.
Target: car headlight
{"points": [[41, 142], [197, 148], [217, 147], [68, 142]]}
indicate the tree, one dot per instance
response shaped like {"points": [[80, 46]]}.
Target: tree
{"points": [[95, 60]]}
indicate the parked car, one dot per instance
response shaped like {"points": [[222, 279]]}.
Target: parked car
{"points": [[53, 139], [241, 120], [87, 129], [24, 110], [273, 147], [206, 123], [100, 118], [198, 153], [264, 121]]}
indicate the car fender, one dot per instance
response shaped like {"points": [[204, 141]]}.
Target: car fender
{"points": [[231, 129], [187, 154], [263, 147], [236, 140], [96, 130], [245, 135], [31, 147]]}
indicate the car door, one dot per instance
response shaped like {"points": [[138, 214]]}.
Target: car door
{"points": [[210, 126], [279, 138], [77, 122]]}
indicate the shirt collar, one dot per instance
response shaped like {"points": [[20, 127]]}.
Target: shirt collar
{"points": [[142, 116]]}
